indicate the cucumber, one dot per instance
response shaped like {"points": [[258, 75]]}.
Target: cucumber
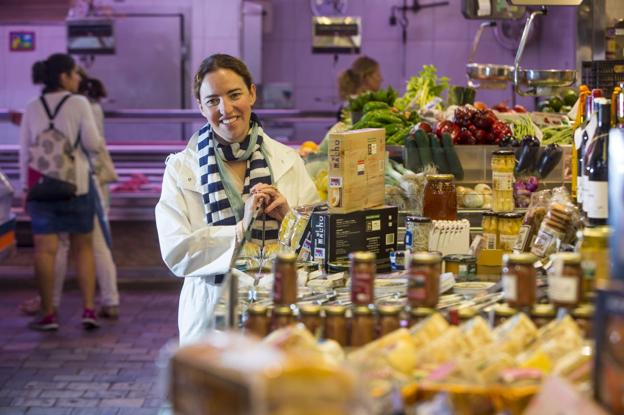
{"points": [[424, 148], [410, 154], [437, 152], [452, 160]]}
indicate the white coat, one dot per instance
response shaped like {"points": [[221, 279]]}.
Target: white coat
{"points": [[197, 251]]}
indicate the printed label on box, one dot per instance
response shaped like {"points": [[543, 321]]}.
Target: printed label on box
{"points": [[372, 149], [335, 182], [361, 167]]}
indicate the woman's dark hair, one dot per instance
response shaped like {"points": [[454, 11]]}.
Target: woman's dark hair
{"points": [[92, 88], [350, 81], [48, 72], [220, 61]]}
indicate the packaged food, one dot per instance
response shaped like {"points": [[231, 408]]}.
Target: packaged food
{"points": [[489, 223], [423, 280], [418, 314], [310, 316], [335, 327], [362, 270], [565, 280], [559, 225], [462, 266], [417, 230], [532, 220], [595, 257], [389, 319], [542, 314], [440, 200], [508, 229], [503, 164], [282, 316], [362, 325], [258, 322], [519, 280], [285, 278], [502, 312]]}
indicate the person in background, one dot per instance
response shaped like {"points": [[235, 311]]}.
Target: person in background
{"points": [[74, 119], [105, 269], [363, 75], [217, 185]]}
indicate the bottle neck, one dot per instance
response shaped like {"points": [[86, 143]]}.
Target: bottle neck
{"points": [[604, 117], [619, 110]]}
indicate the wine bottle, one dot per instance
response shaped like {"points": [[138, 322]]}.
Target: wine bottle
{"points": [[589, 129], [596, 198], [579, 123], [616, 188]]}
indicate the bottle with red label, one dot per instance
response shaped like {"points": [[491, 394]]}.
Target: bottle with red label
{"points": [[362, 270], [423, 279]]}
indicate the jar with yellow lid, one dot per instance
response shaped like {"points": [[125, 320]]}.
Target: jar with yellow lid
{"points": [[389, 318], [310, 316], [335, 327], [565, 280], [584, 316], [503, 164], [440, 198], [466, 313], [519, 280], [595, 257], [489, 223], [501, 312], [418, 314], [282, 316], [257, 322], [542, 314], [362, 325], [508, 228]]}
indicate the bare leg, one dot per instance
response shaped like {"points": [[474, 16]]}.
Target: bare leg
{"points": [[45, 255], [82, 250]]}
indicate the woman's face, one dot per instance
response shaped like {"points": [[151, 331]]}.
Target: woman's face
{"points": [[71, 81], [373, 81], [226, 102]]}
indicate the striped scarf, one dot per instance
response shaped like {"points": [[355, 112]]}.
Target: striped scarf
{"points": [[223, 204]]}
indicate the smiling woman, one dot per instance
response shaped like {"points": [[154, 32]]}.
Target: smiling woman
{"points": [[230, 172]]}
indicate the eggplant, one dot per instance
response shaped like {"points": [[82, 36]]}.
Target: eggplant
{"points": [[528, 155], [551, 156]]}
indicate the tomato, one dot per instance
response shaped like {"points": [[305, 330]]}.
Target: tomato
{"points": [[424, 126], [448, 127]]}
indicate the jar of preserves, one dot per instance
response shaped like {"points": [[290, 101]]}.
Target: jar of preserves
{"points": [[418, 314], [362, 270], [440, 199], [310, 316], [285, 278], [565, 280], [519, 280], [258, 322], [389, 319], [508, 228], [417, 230], [466, 313], [335, 327], [542, 314], [501, 312], [503, 165], [362, 325], [595, 258], [282, 316], [489, 223], [584, 316], [464, 267], [423, 279]]}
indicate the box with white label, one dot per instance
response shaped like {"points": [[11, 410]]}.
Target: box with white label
{"points": [[336, 235], [356, 169]]}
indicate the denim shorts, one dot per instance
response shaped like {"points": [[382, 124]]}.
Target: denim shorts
{"points": [[71, 216]]}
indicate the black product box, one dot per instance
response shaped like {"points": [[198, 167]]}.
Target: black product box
{"points": [[336, 235], [609, 354]]}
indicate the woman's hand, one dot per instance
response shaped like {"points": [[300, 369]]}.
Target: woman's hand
{"points": [[275, 203]]}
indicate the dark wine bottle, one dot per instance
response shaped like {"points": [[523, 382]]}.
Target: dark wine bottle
{"points": [[616, 189], [589, 128], [596, 198]]}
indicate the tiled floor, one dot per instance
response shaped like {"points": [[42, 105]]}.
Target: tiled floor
{"points": [[110, 371]]}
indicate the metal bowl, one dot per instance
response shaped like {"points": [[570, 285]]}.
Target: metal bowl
{"points": [[543, 82], [488, 76]]}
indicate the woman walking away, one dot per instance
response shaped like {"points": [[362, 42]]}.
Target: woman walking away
{"points": [[61, 115]]}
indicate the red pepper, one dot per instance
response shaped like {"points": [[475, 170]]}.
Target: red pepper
{"points": [[450, 128]]}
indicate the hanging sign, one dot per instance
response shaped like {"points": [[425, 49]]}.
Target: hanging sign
{"points": [[21, 41]]}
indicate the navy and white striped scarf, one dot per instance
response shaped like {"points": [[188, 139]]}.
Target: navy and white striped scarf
{"points": [[217, 196]]}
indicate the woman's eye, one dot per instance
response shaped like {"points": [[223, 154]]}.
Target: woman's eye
{"points": [[235, 95], [213, 101]]}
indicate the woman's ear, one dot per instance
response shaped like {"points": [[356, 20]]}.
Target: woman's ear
{"points": [[252, 93]]}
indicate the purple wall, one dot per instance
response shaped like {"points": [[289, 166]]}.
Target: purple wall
{"points": [[439, 36]]}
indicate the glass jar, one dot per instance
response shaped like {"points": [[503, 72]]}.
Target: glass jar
{"points": [[489, 223], [417, 230], [285, 278], [258, 322], [565, 280], [464, 267], [418, 314], [389, 319], [335, 327], [584, 316], [423, 279], [519, 280], [362, 271], [362, 325], [440, 199], [501, 313], [542, 314], [595, 258], [466, 313], [310, 316], [503, 165], [508, 228], [282, 316]]}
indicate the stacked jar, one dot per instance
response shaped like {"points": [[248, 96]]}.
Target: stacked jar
{"points": [[423, 280], [565, 280], [503, 165], [440, 199], [362, 270], [489, 223], [508, 229], [519, 280]]}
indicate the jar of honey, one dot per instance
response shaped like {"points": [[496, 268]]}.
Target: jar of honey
{"points": [[440, 199], [503, 165]]}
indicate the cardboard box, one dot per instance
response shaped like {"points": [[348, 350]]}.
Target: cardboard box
{"points": [[336, 235], [356, 169]]}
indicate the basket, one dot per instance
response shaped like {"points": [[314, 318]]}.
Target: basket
{"points": [[603, 74]]}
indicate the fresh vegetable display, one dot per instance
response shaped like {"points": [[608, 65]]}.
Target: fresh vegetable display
{"points": [[523, 189], [422, 89], [557, 135], [473, 126], [383, 96], [424, 148], [559, 103], [527, 157], [548, 160]]}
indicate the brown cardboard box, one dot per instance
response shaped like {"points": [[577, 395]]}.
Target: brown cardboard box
{"points": [[356, 169]]}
